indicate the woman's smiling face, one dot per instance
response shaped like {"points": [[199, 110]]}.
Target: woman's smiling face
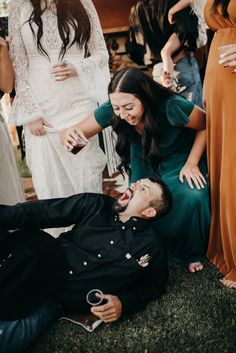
{"points": [[127, 107]]}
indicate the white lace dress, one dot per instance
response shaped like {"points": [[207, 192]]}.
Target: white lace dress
{"points": [[11, 191], [56, 172]]}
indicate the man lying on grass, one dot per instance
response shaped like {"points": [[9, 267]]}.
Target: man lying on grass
{"points": [[112, 246]]}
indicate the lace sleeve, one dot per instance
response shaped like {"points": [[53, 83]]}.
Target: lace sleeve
{"points": [[94, 70], [25, 107]]}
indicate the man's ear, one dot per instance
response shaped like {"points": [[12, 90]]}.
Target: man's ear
{"points": [[149, 212]]}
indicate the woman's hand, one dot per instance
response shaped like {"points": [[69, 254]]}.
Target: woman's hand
{"points": [[193, 176], [72, 137], [37, 127], [63, 70], [228, 57], [170, 16]]}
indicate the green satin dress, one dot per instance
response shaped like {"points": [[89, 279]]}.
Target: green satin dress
{"points": [[185, 229]]}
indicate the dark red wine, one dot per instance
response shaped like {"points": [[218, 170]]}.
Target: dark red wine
{"points": [[76, 149]]}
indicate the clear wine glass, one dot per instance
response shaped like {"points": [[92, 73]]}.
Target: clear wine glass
{"points": [[92, 299]]}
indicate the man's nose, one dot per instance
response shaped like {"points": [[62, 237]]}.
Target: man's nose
{"points": [[133, 186]]}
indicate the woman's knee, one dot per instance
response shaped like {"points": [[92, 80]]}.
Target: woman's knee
{"points": [[195, 196]]}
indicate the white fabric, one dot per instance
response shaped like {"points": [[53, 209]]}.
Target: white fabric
{"points": [[56, 172], [113, 160], [11, 191], [198, 9]]}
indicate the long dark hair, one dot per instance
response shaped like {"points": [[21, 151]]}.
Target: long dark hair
{"points": [[70, 13], [160, 8], [224, 4], [151, 95]]}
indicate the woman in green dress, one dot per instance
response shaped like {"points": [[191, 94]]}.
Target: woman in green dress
{"points": [[159, 133]]}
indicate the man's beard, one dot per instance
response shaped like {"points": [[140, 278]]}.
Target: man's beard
{"points": [[118, 208]]}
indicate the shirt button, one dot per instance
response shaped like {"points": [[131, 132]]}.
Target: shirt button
{"points": [[71, 272], [123, 227], [134, 228], [111, 242], [135, 219], [128, 256], [85, 263], [99, 255], [9, 255]]}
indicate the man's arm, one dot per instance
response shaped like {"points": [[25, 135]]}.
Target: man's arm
{"points": [[52, 213], [150, 287]]}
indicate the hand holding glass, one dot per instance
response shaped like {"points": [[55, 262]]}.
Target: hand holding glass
{"points": [[92, 299], [80, 144]]}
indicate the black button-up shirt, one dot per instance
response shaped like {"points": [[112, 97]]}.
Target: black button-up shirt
{"points": [[124, 259]]}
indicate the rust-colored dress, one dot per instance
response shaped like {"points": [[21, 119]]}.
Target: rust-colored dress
{"points": [[220, 93]]}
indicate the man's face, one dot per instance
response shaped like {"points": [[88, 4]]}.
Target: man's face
{"points": [[137, 198]]}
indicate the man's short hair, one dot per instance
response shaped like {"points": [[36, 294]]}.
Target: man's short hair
{"points": [[163, 205]]}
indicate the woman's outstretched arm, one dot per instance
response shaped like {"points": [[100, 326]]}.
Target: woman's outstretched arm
{"points": [[83, 130]]}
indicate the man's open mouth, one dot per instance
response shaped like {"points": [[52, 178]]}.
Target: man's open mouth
{"points": [[127, 196]]}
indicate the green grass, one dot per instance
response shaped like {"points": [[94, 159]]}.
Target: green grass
{"points": [[24, 171], [197, 315]]}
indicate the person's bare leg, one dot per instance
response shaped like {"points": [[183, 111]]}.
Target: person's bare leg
{"points": [[195, 266], [228, 283]]}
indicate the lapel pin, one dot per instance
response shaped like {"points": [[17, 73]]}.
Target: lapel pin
{"points": [[144, 260]]}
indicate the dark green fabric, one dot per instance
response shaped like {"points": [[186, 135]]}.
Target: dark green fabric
{"points": [[186, 227], [103, 114]]}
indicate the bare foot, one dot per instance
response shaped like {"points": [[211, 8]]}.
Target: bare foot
{"points": [[228, 283], [195, 266]]}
